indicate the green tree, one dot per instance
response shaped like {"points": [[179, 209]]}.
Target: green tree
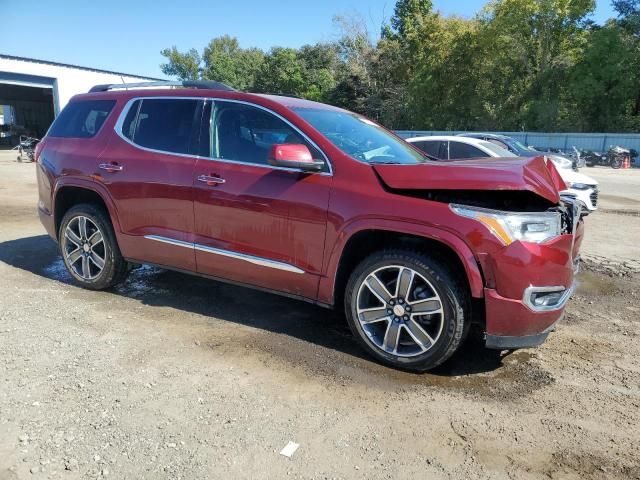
{"points": [[185, 66], [321, 70], [628, 15], [225, 61], [603, 81], [529, 47], [283, 72]]}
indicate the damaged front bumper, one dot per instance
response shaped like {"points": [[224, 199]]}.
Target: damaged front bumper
{"points": [[528, 288], [530, 321]]}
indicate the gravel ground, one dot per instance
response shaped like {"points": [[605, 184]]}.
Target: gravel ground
{"points": [[174, 377]]}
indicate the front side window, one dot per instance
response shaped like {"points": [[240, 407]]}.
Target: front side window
{"points": [[244, 133], [164, 124], [459, 150], [81, 119], [431, 147], [359, 137]]}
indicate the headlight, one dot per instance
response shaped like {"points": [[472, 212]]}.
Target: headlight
{"points": [[512, 226], [578, 186]]}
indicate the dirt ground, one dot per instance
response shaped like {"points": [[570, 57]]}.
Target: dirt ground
{"points": [[174, 377]]}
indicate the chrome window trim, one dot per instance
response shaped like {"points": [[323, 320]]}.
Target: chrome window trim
{"points": [[125, 110], [264, 262], [123, 114]]}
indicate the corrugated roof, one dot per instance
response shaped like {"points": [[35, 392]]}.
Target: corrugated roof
{"points": [[68, 65]]}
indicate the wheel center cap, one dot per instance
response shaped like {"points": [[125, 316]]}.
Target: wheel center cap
{"points": [[398, 310], [86, 247]]}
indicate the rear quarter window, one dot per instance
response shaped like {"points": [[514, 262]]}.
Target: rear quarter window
{"points": [[81, 119]]}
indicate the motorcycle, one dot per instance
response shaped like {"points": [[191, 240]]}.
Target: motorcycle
{"points": [[618, 155], [576, 158], [613, 158], [26, 148]]}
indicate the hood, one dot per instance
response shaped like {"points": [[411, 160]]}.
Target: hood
{"points": [[531, 174], [575, 177]]}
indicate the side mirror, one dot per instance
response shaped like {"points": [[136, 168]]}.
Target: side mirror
{"points": [[294, 156]]}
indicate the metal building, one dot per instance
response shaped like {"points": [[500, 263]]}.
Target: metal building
{"points": [[32, 92]]}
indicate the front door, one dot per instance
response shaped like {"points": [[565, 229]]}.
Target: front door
{"points": [[148, 170], [254, 223]]}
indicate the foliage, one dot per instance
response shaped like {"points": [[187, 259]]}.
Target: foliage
{"points": [[226, 62], [185, 66], [519, 64]]}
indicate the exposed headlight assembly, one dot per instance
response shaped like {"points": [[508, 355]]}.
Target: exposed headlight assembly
{"points": [[508, 227]]}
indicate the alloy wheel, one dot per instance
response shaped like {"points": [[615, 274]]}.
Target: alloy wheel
{"points": [[400, 311], [84, 248]]}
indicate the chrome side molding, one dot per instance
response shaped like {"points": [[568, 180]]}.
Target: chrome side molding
{"points": [[263, 262]]}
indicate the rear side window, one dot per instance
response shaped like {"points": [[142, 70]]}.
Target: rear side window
{"points": [[81, 119], [463, 150], [163, 124]]}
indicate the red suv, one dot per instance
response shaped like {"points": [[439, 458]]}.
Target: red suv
{"points": [[313, 202]]}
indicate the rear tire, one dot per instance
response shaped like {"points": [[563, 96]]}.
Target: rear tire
{"points": [[406, 309], [89, 248]]}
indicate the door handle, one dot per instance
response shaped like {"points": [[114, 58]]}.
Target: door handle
{"points": [[111, 167], [211, 180]]}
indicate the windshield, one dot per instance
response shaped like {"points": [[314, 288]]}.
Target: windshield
{"points": [[517, 145], [499, 151], [360, 138]]}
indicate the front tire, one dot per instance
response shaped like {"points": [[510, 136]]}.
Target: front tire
{"points": [[406, 309], [89, 248]]}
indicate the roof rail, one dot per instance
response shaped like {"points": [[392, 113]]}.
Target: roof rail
{"points": [[199, 84]]}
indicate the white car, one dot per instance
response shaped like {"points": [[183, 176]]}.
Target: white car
{"points": [[458, 148]]}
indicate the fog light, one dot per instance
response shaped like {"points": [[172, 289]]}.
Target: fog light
{"points": [[546, 299]]}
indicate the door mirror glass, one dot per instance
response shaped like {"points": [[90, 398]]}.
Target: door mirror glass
{"points": [[293, 156]]}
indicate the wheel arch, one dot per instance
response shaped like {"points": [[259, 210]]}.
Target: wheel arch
{"points": [[360, 242], [68, 194]]}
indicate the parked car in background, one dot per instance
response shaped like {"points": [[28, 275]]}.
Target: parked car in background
{"points": [[456, 148], [508, 143], [312, 202], [460, 147], [521, 150]]}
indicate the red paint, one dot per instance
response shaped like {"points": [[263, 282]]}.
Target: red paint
{"points": [[478, 174], [511, 318], [296, 153], [302, 219]]}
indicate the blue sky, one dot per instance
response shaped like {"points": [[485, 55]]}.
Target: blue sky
{"points": [[127, 35]]}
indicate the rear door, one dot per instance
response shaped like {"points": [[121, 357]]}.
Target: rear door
{"points": [[148, 169], [255, 223]]}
